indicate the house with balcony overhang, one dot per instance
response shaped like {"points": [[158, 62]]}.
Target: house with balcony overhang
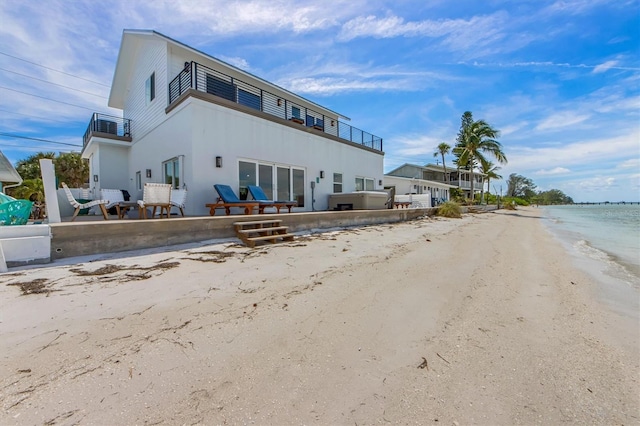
{"points": [[192, 120], [432, 179]]}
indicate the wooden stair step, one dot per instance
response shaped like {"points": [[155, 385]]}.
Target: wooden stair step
{"points": [[288, 237], [258, 230], [257, 222]]}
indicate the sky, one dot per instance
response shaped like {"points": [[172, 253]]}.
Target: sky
{"points": [[560, 79]]}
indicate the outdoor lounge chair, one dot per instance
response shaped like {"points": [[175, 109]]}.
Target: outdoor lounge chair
{"points": [[79, 206], [229, 199], [258, 194], [155, 195]]}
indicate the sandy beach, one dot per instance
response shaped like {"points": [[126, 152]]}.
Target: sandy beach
{"points": [[480, 320]]}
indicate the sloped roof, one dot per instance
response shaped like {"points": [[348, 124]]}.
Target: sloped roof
{"points": [[130, 44], [8, 173]]}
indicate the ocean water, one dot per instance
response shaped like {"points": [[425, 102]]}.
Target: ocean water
{"points": [[607, 234]]}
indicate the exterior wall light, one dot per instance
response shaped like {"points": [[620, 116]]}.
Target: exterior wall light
{"points": [[95, 178], [149, 173], [321, 174], [333, 123], [218, 161], [279, 102]]}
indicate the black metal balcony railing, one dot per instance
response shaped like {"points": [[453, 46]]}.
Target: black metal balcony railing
{"points": [[102, 123], [205, 79]]}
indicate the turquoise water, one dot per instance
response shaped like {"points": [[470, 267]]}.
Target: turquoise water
{"points": [[609, 234]]}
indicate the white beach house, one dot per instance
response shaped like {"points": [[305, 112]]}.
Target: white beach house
{"points": [[431, 179], [192, 120]]}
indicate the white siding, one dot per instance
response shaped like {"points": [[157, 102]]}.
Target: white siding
{"points": [[152, 57]]}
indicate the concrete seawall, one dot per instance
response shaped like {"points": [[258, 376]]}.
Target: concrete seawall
{"points": [[95, 237]]}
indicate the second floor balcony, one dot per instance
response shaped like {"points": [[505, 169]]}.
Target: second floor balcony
{"points": [[108, 127], [201, 78]]}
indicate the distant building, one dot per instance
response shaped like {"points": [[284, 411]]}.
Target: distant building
{"points": [[431, 179]]}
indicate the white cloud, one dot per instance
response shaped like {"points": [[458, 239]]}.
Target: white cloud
{"points": [[471, 35], [633, 163], [554, 171], [576, 153], [561, 119], [236, 62], [604, 67]]}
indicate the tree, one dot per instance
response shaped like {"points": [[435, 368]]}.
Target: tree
{"points": [[72, 169], [553, 196], [29, 168], [475, 140], [520, 187], [443, 149], [490, 171]]}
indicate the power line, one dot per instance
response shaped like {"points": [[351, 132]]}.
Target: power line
{"points": [[34, 148], [55, 84], [37, 139], [49, 99], [34, 116], [61, 72]]}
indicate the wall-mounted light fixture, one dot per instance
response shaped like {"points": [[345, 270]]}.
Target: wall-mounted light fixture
{"points": [[379, 182], [279, 102], [149, 173], [95, 178], [333, 123], [321, 174], [218, 161]]}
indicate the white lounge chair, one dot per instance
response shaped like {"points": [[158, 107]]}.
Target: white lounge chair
{"points": [[178, 199], [155, 195], [79, 206]]}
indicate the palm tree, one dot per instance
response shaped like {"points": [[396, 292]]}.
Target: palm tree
{"points": [[475, 139], [490, 171], [443, 149]]}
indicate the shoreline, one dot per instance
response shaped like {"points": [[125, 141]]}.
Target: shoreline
{"points": [[329, 329]]}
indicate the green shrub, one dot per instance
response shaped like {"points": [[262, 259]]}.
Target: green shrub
{"points": [[449, 209]]}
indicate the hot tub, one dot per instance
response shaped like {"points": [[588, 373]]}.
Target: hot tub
{"points": [[360, 200]]}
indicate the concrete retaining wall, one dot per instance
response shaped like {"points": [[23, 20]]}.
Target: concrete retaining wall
{"points": [[89, 238]]}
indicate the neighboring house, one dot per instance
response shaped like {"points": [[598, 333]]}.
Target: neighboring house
{"points": [[431, 179], [8, 173], [192, 120]]}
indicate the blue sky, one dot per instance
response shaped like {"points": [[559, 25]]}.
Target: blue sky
{"points": [[559, 79]]}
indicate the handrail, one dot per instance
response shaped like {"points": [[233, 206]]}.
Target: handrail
{"points": [[205, 79], [103, 123]]}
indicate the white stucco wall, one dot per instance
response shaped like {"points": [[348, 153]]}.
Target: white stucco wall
{"points": [[201, 130]]}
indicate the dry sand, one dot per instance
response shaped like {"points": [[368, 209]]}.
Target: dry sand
{"points": [[481, 320]]}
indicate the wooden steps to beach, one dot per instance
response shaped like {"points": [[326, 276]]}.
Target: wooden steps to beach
{"points": [[269, 231]]}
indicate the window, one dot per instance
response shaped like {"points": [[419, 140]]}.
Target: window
{"points": [[337, 182], [150, 88], [246, 176], [369, 184], [289, 181], [171, 170], [298, 186], [364, 184], [295, 112]]}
